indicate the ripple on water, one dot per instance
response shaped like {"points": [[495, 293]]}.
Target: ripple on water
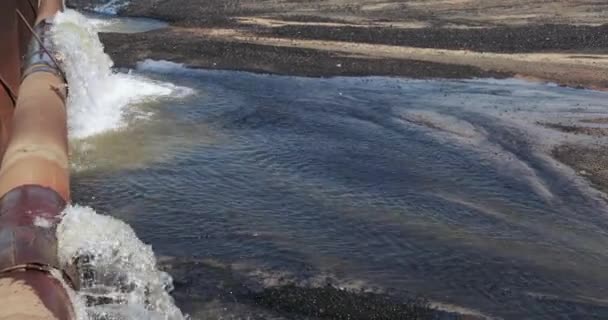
{"points": [[303, 180]]}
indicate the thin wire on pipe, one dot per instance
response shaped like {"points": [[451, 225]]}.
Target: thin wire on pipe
{"points": [[41, 44]]}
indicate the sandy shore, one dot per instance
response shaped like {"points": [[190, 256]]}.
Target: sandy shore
{"points": [[561, 41]]}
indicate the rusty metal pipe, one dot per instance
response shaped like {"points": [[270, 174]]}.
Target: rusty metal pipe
{"points": [[37, 153], [34, 180], [9, 66], [29, 9]]}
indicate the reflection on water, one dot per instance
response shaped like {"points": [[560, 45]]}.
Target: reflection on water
{"points": [[438, 188]]}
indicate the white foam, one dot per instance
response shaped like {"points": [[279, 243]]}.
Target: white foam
{"points": [[98, 23], [162, 66], [98, 97], [106, 23], [119, 275], [111, 7], [43, 222]]}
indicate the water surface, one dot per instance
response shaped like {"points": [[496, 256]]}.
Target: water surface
{"points": [[439, 188], [109, 23]]}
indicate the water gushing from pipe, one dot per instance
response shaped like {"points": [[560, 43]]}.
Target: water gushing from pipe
{"points": [[118, 272], [119, 276], [99, 97]]}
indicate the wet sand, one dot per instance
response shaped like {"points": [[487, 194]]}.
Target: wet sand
{"points": [[293, 300], [590, 162], [211, 51]]}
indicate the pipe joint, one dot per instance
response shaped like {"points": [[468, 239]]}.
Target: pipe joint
{"points": [[41, 47], [28, 222]]}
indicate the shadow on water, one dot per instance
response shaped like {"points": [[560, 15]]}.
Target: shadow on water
{"points": [[433, 188]]}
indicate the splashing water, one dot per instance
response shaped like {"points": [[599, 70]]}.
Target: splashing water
{"points": [[105, 23], [119, 276], [111, 7], [162, 66], [118, 272], [98, 98]]}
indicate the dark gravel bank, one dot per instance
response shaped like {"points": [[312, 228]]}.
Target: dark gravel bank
{"points": [[127, 50], [512, 39]]}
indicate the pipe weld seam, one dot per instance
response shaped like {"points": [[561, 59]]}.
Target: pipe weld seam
{"points": [[41, 46], [14, 155]]}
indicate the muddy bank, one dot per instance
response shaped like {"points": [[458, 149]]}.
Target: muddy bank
{"points": [[238, 49], [332, 303], [203, 285], [590, 162], [504, 39], [202, 52]]}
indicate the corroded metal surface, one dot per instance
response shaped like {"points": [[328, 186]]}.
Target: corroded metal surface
{"points": [[29, 9], [37, 152], [34, 175], [38, 149], [28, 251], [38, 57], [9, 65], [28, 220], [29, 295]]}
